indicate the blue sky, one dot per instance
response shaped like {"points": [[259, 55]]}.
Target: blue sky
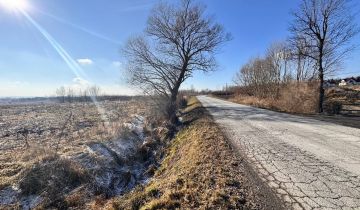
{"points": [[93, 31]]}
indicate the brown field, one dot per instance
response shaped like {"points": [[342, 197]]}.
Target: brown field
{"points": [[48, 124], [33, 135]]}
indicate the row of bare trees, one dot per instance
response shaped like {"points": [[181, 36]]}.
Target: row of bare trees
{"points": [[263, 76], [71, 95], [320, 40]]}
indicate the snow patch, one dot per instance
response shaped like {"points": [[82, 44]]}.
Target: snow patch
{"points": [[115, 165], [112, 162]]}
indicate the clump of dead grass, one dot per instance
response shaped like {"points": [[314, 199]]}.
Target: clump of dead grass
{"points": [[51, 178], [11, 171]]}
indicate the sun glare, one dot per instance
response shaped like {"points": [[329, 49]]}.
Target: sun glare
{"points": [[14, 4]]}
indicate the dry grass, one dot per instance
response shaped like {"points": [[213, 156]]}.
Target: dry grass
{"points": [[46, 166], [345, 93], [293, 98], [46, 177], [50, 131], [302, 99], [200, 171]]}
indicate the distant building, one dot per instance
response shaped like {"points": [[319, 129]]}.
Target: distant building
{"points": [[343, 83], [349, 81]]}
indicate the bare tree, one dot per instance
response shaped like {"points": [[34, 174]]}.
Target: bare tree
{"points": [[70, 95], [326, 28], [93, 91], [259, 77], [82, 95], [304, 66], [178, 40], [264, 76], [61, 93], [279, 57]]}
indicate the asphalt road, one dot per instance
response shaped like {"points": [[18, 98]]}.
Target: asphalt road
{"points": [[310, 164]]}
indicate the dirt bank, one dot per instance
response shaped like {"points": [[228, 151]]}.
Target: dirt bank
{"points": [[200, 170]]}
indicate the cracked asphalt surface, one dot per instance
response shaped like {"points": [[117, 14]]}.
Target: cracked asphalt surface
{"points": [[310, 164]]}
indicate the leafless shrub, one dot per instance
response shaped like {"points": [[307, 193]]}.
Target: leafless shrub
{"points": [[259, 77], [297, 98], [61, 93]]}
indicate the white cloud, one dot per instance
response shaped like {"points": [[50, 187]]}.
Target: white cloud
{"points": [[79, 83], [85, 61]]}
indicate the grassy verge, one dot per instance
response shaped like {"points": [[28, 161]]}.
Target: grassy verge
{"points": [[200, 171]]}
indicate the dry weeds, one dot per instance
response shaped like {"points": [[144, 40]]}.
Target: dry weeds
{"points": [[293, 98], [200, 171], [38, 144], [302, 99]]}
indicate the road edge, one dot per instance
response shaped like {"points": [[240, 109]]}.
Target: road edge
{"points": [[265, 193]]}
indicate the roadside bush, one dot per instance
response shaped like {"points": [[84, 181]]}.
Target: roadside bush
{"points": [[292, 97], [332, 107], [297, 98]]}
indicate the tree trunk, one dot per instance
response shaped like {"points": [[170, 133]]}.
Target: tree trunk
{"points": [[171, 109], [321, 78], [321, 90], [299, 70], [172, 106]]}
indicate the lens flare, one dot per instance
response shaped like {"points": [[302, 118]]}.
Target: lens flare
{"points": [[90, 32], [14, 5], [72, 64]]}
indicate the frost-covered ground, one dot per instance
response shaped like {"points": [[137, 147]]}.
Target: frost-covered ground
{"points": [[113, 162], [110, 153]]}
